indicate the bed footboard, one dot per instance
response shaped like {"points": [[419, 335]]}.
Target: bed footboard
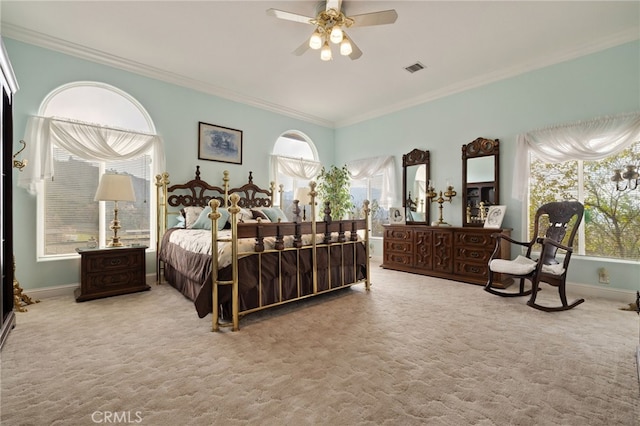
{"points": [[333, 257]]}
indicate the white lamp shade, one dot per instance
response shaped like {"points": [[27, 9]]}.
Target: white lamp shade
{"points": [[325, 53], [336, 34], [345, 47], [115, 188], [302, 195], [315, 42]]}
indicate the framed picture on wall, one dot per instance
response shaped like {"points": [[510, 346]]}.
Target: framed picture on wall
{"points": [[495, 216], [217, 143], [396, 216]]}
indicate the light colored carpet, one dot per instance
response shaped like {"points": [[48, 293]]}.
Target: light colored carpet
{"points": [[413, 351]]}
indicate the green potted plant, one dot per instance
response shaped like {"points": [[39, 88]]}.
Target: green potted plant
{"points": [[333, 186]]}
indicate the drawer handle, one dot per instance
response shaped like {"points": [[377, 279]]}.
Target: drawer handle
{"points": [[475, 270], [115, 262], [474, 239], [474, 254]]}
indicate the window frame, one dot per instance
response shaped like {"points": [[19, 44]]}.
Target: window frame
{"points": [[581, 195], [369, 197], [103, 223], [303, 138]]}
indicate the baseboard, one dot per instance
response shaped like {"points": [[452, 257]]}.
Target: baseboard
{"points": [[63, 290], [573, 289], [590, 291]]}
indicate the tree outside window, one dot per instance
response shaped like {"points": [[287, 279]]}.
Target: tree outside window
{"points": [[611, 223]]}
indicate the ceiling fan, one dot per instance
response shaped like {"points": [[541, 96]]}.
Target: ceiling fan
{"points": [[330, 23]]}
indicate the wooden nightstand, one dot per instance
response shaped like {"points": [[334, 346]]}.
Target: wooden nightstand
{"points": [[108, 272]]}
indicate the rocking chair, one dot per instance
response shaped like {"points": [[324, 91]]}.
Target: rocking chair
{"points": [[550, 229]]}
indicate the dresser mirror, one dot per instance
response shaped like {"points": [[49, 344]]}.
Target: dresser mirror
{"points": [[480, 179], [415, 179]]}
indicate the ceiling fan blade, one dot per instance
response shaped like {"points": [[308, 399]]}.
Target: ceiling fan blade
{"points": [[375, 18], [355, 50], [288, 16], [334, 4], [302, 48]]}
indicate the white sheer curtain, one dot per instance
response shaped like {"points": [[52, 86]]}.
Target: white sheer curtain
{"points": [[585, 140], [87, 141], [367, 168], [294, 167]]}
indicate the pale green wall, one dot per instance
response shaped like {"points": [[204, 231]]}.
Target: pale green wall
{"points": [[599, 84], [175, 111], [595, 85]]}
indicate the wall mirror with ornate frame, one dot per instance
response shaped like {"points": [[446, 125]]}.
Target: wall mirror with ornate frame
{"points": [[415, 179], [480, 179]]}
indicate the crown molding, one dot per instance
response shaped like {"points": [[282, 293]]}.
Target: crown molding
{"points": [[72, 49], [52, 43], [482, 80]]}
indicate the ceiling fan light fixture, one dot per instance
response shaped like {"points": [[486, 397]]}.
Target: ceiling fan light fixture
{"points": [[325, 53], [336, 34], [345, 47], [315, 42]]}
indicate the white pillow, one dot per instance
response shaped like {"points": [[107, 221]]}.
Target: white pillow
{"points": [[244, 215], [191, 215]]}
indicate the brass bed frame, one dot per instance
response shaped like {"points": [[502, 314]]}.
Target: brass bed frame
{"points": [[329, 234]]}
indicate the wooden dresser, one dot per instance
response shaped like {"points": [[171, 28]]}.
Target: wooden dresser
{"points": [[456, 253], [110, 272]]}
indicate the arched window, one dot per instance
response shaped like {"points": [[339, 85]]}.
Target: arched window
{"points": [[86, 129], [294, 163]]}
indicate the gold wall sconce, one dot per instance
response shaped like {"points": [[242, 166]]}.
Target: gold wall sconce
{"points": [[20, 164]]}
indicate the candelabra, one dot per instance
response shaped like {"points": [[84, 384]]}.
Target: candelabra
{"points": [[630, 175], [443, 197]]}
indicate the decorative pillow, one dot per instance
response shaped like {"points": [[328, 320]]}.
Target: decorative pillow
{"points": [[176, 221], [204, 222], [191, 214], [244, 215], [275, 214], [257, 214]]}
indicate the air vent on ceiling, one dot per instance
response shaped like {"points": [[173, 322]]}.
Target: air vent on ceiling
{"points": [[415, 67]]}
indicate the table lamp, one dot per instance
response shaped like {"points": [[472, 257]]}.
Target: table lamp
{"points": [[115, 188], [302, 195]]}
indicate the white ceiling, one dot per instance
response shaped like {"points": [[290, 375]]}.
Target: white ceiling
{"points": [[233, 49]]}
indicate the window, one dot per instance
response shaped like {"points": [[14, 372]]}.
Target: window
{"points": [[68, 215], [611, 224], [373, 179], [295, 163], [370, 189]]}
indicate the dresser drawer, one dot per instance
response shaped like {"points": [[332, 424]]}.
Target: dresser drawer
{"points": [[113, 280], [117, 260], [397, 246], [473, 254], [398, 234], [400, 259], [475, 239], [478, 272]]}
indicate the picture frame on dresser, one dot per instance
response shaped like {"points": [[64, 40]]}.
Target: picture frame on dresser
{"points": [[218, 143], [396, 216], [495, 216]]}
